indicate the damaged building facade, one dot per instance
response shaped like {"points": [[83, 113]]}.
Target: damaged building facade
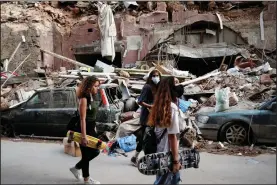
{"points": [[188, 33], [227, 51]]}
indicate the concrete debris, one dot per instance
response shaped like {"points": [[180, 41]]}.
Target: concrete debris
{"points": [[226, 148], [248, 80], [265, 79], [220, 145], [233, 99], [22, 95]]}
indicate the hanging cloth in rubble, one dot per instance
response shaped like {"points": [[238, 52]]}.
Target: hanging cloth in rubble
{"points": [[108, 31]]}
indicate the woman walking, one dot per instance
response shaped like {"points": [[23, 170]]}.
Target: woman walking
{"points": [[145, 100], [165, 115], [87, 110]]}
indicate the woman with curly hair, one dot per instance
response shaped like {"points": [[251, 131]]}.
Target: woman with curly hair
{"points": [[145, 100], [87, 111], [165, 115]]}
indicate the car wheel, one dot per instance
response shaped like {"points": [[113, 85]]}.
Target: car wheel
{"points": [[7, 130], [234, 133]]}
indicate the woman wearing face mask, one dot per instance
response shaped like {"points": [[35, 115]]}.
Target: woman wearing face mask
{"points": [[165, 115], [87, 110], [145, 100]]}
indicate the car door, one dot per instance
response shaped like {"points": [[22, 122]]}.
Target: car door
{"points": [[31, 117], [267, 131], [62, 109]]}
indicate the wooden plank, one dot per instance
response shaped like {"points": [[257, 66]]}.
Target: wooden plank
{"points": [[200, 78], [131, 70], [65, 58]]}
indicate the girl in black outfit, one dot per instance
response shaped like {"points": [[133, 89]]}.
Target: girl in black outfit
{"points": [[146, 100], [87, 109]]}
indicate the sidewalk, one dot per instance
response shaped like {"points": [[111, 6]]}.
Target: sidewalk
{"points": [[45, 163]]}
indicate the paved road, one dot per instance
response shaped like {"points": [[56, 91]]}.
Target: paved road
{"points": [[45, 163]]}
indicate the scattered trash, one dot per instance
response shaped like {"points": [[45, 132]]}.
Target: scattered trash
{"points": [[220, 145], [251, 147]]}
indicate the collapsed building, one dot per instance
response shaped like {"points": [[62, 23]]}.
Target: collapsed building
{"points": [[184, 39], [139, 29]]}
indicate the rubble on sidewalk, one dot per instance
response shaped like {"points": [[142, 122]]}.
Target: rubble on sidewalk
{"points": [[226, 148]]}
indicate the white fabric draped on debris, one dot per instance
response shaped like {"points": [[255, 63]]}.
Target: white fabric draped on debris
{"points": [[108, 31]]}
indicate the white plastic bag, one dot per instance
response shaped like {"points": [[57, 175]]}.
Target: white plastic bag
{"points": [[233, 71], [266, 67], [222, 99]]}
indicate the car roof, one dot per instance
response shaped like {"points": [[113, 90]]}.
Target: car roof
{"points": [[55, 89], [102, 86]]}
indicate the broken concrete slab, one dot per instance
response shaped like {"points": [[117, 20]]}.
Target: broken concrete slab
{"points": [[233, 99], [161, 6], [5, 91], [23, 95], [153, 18], [265, 79], [106, 68]]}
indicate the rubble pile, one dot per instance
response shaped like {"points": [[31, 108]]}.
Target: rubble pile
{"points": [[17, 92], [226, 148], [254, 85], [249, 82]]}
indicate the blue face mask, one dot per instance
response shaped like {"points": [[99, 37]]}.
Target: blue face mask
{"points": [[156, 80]]}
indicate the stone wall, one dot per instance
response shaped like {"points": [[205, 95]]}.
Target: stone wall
{"points": [[38, 32], [37, 35]]}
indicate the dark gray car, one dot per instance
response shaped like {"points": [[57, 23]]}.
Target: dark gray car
{"points": [[240, 126], [48, 112]]}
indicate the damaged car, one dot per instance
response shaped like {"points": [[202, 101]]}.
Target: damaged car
{"points": [[240, 126], [48, 111]]}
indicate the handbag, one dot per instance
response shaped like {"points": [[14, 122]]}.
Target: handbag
{"points": [[74, 123], [150, 140]]}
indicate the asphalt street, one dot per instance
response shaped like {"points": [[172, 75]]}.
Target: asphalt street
{"points": [[46, 163]]}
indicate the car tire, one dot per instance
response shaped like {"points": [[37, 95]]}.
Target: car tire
{"points": [[7, 129], [235, 133]]}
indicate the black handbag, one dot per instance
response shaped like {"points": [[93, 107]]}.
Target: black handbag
{"points": [[150, 141], [74, 124]]}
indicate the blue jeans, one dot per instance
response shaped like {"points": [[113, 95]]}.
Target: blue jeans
{"points": [[168, 178]]}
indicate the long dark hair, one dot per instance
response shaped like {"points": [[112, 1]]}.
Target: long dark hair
{"points": [[86, 85], [161, 112]]}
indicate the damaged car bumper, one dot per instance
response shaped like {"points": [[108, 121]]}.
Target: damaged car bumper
{"points": [[208, 131]]}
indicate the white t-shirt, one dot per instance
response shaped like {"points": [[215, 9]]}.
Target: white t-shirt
{"points": [[176, 122]]}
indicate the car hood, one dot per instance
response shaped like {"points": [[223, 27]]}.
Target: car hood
{"points": [[230, 112], [17, 104], [7, 111]]}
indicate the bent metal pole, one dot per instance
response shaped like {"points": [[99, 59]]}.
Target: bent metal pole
{"points": [[15, 70]]}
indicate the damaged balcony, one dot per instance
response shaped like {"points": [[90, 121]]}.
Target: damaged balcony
{"points": [[201, 47]]}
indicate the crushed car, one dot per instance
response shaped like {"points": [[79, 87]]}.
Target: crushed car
{"points": [[240, 126], [49, 110]]}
